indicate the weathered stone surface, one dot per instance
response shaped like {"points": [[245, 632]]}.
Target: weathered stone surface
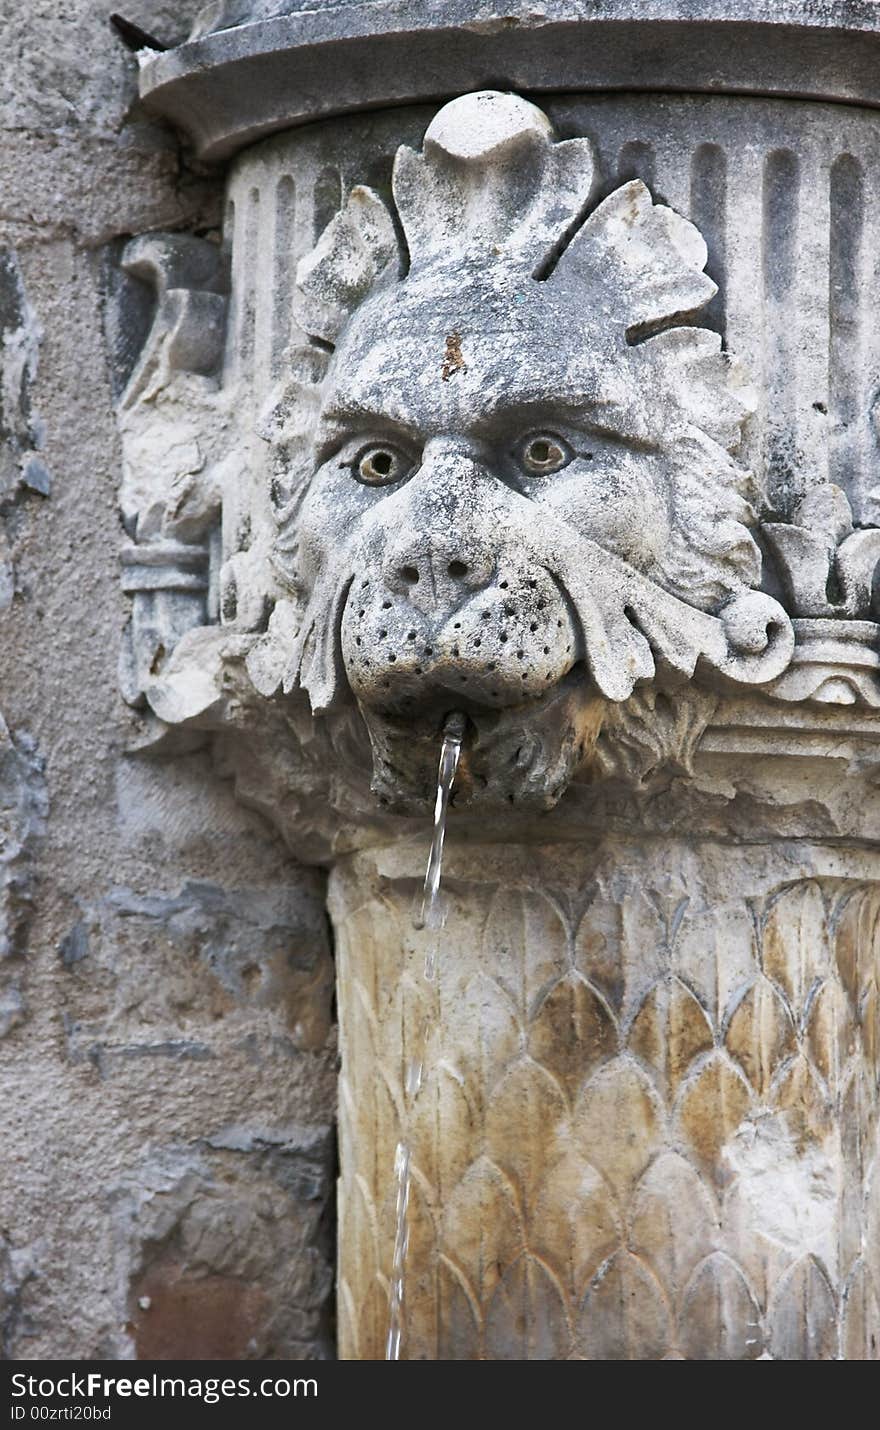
{"points": [[218, 939], [247, 967], [23, 809], [224, 1249]]}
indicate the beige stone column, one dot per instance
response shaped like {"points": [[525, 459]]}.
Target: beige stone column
{"points": [[648, 1122]]}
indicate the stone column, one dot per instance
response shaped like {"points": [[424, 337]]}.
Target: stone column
{"points": [[648, 1126], [564, 418]]}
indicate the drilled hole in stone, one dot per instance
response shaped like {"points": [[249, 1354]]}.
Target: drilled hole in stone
{"points": [[478, 642], [361, 613], [504, 585], [546, 650], [417, 669], [411, 635], [410, 575], [391, 657], [559, 625], [503, 637], [491, 665], [457, 568], [386, 605], [533, 626], [540, 605], [486, 616], [520, 654], [509, 610], [382, 635], [429, 650], [358, 640]]}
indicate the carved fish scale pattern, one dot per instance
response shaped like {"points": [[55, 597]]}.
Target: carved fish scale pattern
{"points": [[647, 1128]]}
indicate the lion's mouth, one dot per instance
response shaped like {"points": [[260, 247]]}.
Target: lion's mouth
{"points": [[520, 755]]}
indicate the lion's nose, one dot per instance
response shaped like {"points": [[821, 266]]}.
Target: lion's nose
{"points": [[438, 575]]}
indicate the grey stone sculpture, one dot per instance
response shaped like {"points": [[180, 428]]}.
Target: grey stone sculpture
{"points": [[475, 444]]}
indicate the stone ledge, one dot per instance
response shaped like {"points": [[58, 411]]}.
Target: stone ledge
{"points": [[229, 88]]}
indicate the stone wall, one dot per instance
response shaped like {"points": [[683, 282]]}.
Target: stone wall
{"points": [[166, 1052]]}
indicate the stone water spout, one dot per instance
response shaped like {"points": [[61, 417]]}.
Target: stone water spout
{"points": [[487, 453]]}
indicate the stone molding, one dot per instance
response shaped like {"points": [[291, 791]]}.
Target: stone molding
{"points": [[241, 78]]}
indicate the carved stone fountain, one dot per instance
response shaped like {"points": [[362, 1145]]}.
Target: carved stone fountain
{"points": [[562, 418]]}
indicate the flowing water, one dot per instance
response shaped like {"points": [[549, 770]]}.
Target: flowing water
{"points": [[429, 915]]}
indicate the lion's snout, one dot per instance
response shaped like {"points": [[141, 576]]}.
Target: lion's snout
{"points": [[424, 625], [438, 578]]}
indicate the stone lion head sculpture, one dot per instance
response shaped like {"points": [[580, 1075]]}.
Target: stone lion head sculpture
{"points": [[504, 472]]}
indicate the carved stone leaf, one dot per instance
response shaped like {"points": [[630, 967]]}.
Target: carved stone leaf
{"points": [[445, 1124], [808, 1109], [491, 1037], [352, 253], [802, 1320], [521, 946], [669, 1031], [528, 1096], [597, 953], [629, 237], [860, 1334], [372, 1326], [482, 1231], [720, 1319], [830, 1034], [856, 942], [794, 943], [858, 1119], [346, 1313], [423, 1241], [760, 1035], [710, 1109], [526, 1318], [572, 1031], [872, 1223], [459, 1322], [673, 1225], [624, 1315], [618, 1123], [715, 954], [361, 1224], [573, 1224], [490, 181], [870, 1021]]}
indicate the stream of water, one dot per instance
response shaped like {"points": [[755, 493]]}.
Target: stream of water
{"points": [[429, 916]]}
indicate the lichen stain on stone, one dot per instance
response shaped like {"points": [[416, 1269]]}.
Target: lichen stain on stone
{"points": [[453, 360]]}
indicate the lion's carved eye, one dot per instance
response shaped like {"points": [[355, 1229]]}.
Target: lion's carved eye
{"points": [[545, 453], [380, 465]]}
